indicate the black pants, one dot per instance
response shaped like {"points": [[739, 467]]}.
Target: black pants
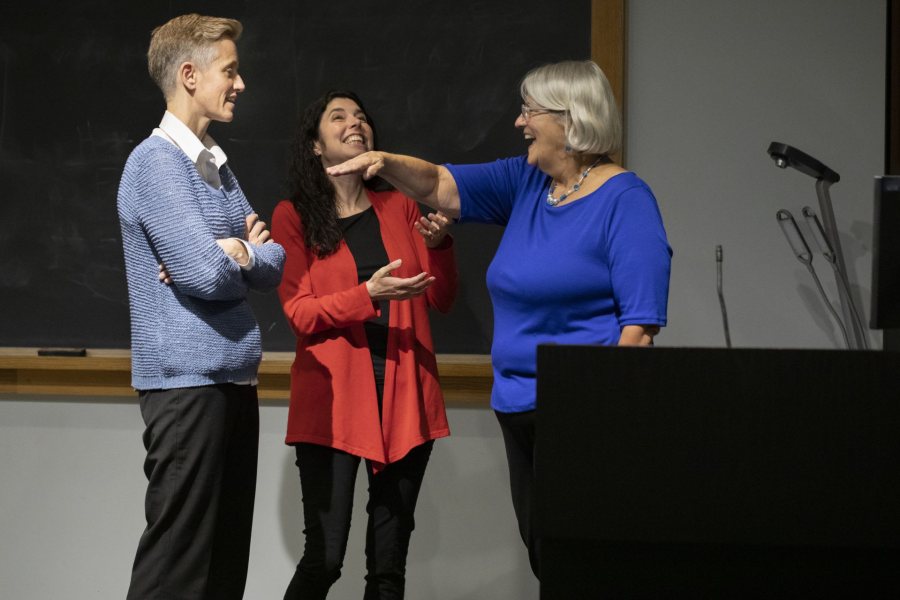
{"points": [[327, 480], [202, 446], [519, 437]]}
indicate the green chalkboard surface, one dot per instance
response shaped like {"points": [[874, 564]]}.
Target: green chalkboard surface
{"points": [[441, 79]]}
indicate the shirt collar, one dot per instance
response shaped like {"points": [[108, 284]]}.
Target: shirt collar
{"points": [[181, 135]]}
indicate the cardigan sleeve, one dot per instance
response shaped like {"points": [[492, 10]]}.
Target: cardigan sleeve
{"points": [[306, 311], [440, 262]]}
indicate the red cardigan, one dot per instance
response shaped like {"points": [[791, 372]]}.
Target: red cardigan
{"points": [[333, 398]]}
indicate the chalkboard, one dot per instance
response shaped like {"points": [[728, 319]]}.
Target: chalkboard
{"points": [[440, 78]]}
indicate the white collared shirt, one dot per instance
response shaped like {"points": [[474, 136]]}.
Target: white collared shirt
{"points": [[206, 155]]}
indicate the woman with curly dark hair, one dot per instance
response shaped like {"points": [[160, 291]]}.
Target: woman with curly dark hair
{"points": [[362, 268]]}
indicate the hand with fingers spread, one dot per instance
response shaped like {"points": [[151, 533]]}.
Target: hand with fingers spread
{"points": [[434, 228], [382, 286]]}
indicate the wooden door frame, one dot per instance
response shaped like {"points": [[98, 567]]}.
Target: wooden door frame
{"points": [[608, 49]]}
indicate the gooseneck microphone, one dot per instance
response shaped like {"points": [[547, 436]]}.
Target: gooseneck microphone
{"points": [[801, 250], [722, 295], [787, 156]]}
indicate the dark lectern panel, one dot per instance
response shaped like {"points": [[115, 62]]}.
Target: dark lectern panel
{"points": [[667, 456]]}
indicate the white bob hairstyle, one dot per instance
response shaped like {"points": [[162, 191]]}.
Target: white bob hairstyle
{"points": [[592, 121]]}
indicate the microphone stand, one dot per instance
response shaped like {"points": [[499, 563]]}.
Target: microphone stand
{"points": [[788, 156], [802, 252], [848, 308], [828, 252], [722, 296]]}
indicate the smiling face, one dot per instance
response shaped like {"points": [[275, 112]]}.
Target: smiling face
{"points": [[344, 132], [545, 135], [218, 85]]}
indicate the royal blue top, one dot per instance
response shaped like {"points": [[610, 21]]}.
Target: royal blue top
{"points": [[570, 274]]}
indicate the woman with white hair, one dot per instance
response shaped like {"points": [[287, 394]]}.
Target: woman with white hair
{"points": [[583, 259]]}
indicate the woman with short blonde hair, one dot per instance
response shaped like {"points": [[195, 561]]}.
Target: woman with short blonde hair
{"points": [[194, 249]]}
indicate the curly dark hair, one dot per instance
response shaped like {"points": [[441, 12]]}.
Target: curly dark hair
{"points": [[310, 189]]}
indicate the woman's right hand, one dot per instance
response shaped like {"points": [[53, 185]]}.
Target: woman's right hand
{"points": [[235, 249], [367, 164], [421, 180], [382, 286]]}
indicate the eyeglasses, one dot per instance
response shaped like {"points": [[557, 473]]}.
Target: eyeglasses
{"points": [[528, 111]]}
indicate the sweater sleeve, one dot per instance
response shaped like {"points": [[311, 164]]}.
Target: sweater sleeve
{"points": [[440, 262], [307, 312], [267, 268], [169, 211]]}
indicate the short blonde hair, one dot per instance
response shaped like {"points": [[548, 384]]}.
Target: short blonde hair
{"points": [[592, 121], [186, 38]]}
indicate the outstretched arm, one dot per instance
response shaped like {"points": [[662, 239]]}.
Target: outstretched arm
{"points": [[425, 182]]}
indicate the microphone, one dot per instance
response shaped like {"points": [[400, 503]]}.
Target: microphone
{"points": [[787, 156], [722, 295], [801, 250]]}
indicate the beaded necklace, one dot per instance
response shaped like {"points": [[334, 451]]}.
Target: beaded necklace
{"points": [[554, 201]]}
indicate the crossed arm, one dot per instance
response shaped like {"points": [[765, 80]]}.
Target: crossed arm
{"points": [[256, 234]]}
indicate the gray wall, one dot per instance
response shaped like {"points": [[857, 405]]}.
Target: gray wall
{"points": [[710, 85], [72, 508]]}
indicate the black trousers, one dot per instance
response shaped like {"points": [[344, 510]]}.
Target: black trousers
{"points": [[327, 480], [202, 446], [519, 436]]}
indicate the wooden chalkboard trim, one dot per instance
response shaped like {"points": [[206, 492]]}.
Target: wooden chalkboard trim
{"points": [[465, 378], [608, 48]]}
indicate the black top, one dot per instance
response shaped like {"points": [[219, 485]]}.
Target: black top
{"points": [[362, 233]]}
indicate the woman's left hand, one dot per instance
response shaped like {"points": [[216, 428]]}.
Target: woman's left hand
{"points": [[433, 228], [638, 335], [164, 275], [256, 231]]}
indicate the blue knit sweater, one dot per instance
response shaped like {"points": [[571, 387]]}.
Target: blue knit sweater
{"points": [[199, 330]]}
